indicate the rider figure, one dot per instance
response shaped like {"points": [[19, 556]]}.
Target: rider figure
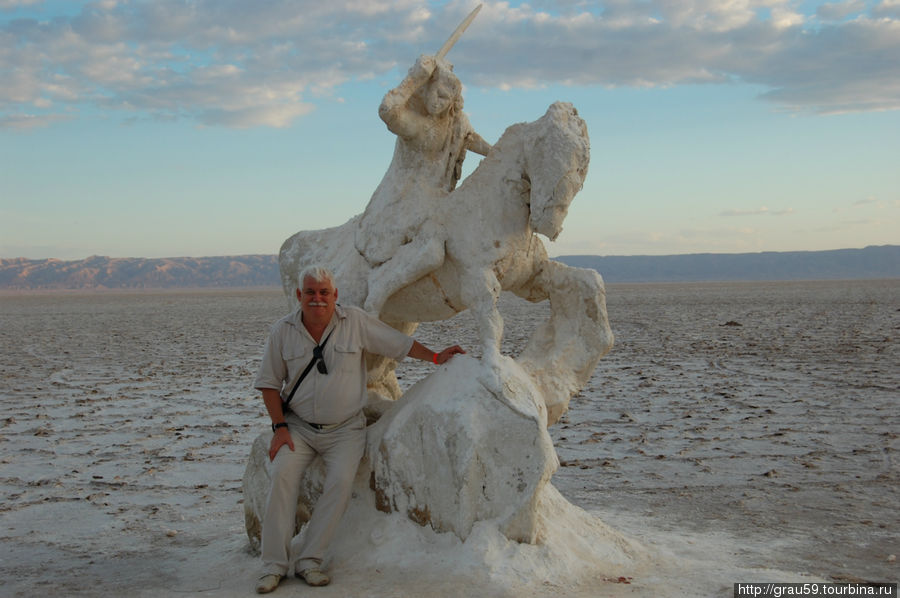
{"points": [[433, 134]]}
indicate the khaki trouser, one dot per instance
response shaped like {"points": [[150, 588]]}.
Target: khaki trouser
{"points": [[341, 449]]}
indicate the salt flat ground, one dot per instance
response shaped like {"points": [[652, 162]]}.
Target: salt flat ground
{"points": [[752, 423]]}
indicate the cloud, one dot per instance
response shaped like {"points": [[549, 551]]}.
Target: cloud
{"points": [[847, 225], [755, 212], [14, 4], [887, 9], [878, 204], [837, 11], [238, 63], [685, 240], [256, 116], [807, 65], [760, 211], [225, 62], [850, 67], [30, 121]]}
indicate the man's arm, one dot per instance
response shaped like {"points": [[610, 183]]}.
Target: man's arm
{"points": [[272, 399], [420, 351]]}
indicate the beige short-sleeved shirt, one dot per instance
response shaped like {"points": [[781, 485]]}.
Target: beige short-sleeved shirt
{"points": [[334, 397]]}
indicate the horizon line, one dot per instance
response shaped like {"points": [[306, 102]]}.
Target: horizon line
{"points": [[176, 257]]}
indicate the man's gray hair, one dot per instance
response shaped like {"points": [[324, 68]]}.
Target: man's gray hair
{"points": [[317, 273]]}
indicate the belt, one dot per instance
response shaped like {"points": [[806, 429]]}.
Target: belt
{"points": [[321, 427]]}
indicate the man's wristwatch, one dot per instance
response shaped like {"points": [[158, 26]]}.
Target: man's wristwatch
{"points": [[279, 425]]}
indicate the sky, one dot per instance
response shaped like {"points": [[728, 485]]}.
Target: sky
{"points": [[166, 128]]}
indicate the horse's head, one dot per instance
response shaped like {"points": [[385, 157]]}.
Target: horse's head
{"points": [[557, 156]]}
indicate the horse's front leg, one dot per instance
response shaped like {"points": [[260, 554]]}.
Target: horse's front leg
{"points": [[480, 291], [408, 264], [564, 350]]}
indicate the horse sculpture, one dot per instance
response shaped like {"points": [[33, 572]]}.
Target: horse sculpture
{"points": [[481, 239]]}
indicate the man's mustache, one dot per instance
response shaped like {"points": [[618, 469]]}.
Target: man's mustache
{"points": [[317, 304]]}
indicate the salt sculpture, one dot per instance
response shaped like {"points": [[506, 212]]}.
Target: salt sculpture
{"points": [[468, 443], [479, 240], [487, 240]]}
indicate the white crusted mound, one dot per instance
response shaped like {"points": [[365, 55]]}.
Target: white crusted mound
{"points": [[451, 454], [473, 471]]}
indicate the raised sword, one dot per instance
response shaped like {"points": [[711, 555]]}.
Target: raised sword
{"points": [[457, 34]]}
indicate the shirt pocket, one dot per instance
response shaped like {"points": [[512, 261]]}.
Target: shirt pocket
{"points": [[347, 358], [295, 358]]}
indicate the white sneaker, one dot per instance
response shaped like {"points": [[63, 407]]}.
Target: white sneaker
{"points": [[268, 582], [314, 577]]}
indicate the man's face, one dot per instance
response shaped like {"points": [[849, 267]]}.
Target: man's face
{"points": [[317, 300]]}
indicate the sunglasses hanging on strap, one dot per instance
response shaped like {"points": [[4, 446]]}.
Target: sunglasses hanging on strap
{"points": [[318, 360]]}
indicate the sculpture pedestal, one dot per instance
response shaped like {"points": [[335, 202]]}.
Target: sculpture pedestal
{"points": [[472, 469], [450, 453]]}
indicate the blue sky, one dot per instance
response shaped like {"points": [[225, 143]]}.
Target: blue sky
{"points": [[217, 127]]}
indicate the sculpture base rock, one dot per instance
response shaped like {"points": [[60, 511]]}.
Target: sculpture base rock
{"points": [[471, 469], [451, 453]]}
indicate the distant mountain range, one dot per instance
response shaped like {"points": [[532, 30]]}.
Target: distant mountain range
{"points": [[97, 272], [871, 262]]}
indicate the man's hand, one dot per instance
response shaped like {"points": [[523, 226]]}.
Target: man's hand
{"points": [[282, 437], [420, 351], [447, 353]]}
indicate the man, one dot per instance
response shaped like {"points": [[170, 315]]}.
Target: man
{"points": [[324, 416]]}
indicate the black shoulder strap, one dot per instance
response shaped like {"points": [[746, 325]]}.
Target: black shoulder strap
{"points": [[317, 355]]}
